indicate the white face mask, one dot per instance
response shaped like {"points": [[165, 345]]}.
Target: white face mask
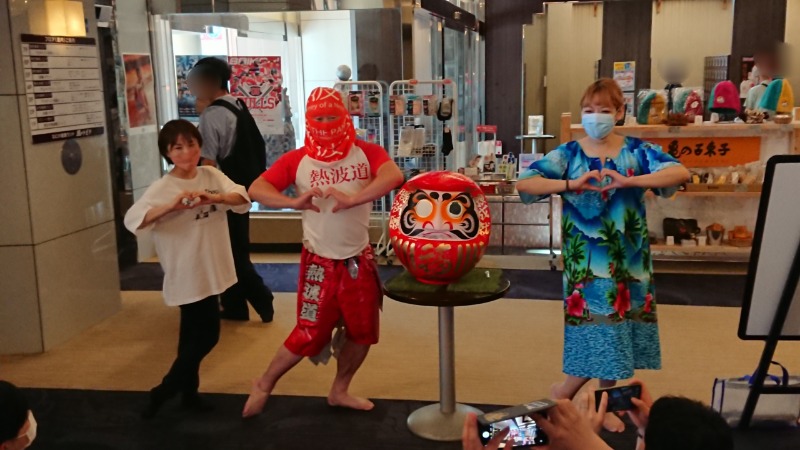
{"points": [[31, 433]]}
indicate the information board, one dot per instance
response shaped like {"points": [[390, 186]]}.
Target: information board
{"points": [[63, 87]]}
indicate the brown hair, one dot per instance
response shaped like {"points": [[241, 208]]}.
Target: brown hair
{"points": [[607, 89], [172, 131]]}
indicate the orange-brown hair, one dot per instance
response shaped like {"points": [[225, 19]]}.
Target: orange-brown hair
{"points": [[607, 89]]}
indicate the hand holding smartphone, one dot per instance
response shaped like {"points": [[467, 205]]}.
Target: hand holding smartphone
{"points": [[523, 430], [619, 398]]}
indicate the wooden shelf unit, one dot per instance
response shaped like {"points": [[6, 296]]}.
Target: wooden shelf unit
{"points": [[712, 194], [721, 253]]}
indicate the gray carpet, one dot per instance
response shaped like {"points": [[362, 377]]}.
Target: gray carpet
{"points": [[109, 420]]}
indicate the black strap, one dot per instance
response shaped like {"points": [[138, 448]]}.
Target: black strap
{"points": [[226, 104]]}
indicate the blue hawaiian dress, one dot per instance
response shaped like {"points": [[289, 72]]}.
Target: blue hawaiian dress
{"points": [[611, 326]]}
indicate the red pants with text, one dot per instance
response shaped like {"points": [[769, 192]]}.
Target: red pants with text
{"points": [[326, 293]]}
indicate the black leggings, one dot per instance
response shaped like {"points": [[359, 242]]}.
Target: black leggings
{"points": [[198, 335]]}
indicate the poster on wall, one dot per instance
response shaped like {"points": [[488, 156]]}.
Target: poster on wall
{"points": [[625, 75], [63, 89], [139, 91], [257, 81], [187, 102], [630, 102]]}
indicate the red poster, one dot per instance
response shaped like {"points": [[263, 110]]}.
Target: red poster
{"points": [[257, 81]]}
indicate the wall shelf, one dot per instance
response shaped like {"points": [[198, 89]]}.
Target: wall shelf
{"points": [[721, 253], [650, 194]]}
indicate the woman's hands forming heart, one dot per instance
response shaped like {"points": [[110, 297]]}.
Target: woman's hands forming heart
{"points": [[618, 180], [584, 183]]}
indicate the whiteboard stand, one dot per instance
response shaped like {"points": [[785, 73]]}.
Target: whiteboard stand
{"points": [[769, 286], [757, 387]]}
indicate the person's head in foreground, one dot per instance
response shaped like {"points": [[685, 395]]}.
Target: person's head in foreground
{"points": [[602, 106], [677, 422], [208, 81], [17, 425], [179, 143], [329, 128]]}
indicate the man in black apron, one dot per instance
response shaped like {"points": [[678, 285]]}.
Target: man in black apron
{"points": [[232, 142]]}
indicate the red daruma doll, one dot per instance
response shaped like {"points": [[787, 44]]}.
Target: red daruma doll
{"points": [[439, 226]]}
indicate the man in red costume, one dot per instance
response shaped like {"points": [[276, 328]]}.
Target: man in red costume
{"points": [[337, 178]]}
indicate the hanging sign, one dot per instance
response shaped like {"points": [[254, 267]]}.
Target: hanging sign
{"points": [[712, 151], [63, 88]]}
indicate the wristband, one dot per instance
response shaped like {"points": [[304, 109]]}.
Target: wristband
{"points": [[567, 190]]}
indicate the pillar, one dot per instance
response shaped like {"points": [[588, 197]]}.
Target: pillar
{"points": [[58, 256]]}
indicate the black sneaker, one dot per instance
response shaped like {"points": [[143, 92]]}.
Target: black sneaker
{"points": [[158, 396], [234, 316], [195, 403], [268, 313]]}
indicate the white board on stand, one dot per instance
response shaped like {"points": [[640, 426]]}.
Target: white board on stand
{"points": [[775, 242]]}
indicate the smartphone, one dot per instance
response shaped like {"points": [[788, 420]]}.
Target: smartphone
{"points": [[523, 430], [619, 398]]}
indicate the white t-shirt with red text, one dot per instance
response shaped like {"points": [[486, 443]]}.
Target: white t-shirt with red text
{"points": [[343, 234]]}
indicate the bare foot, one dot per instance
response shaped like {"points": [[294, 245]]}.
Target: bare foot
{"points": [[255, 402], [613, 423], [348, 401]]}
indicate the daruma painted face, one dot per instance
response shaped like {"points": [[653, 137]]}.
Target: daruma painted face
{"points": [[440, 226]]}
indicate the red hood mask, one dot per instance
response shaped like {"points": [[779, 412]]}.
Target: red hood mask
{"points": [[328, 141]]}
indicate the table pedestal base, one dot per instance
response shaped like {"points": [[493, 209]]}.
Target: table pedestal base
{"points": [[430, 422]]}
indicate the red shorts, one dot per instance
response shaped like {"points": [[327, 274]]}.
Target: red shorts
{"points": [[328, 293]]}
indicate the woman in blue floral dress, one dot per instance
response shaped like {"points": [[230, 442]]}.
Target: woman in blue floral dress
{"points": [[611, 326]]}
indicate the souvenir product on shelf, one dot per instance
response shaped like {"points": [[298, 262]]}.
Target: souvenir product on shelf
{"points": [[715, 233], [406, 145], [754, 116], [439, 226], [778, 97], [676, 120], [740, 237], [445, 110], [413, 105], [430, 104], [373, 105], [652, 108], [355, 103], [398, 105], [724, 101], [694, 106], [689, 102], [681, 229], [419, 139]]}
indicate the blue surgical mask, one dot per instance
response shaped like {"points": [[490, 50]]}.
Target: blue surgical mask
{"points": [[597, 125]]}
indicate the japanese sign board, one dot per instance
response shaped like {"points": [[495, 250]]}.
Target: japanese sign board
{"points": [[712, 152], [63, 87]]}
